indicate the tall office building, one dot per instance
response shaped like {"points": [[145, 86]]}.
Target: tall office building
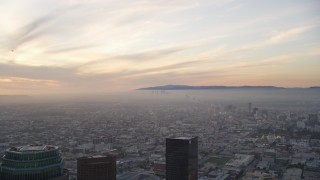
{"points": [[182, 158], [97, 168], [36, 162], [250, 107]]}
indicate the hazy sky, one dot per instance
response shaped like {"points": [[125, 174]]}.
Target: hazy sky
{"points": [[57, 46]]}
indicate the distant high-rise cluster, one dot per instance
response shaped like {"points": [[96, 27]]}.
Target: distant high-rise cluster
{"points": [[32, 162]]}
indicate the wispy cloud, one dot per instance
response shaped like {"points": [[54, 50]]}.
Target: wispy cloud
{"points": [[40, 26], [278, 60], [36, 72], [280, 37], [142, 56], [68, 49], [287, 35], [28, 83], [30, 32]]}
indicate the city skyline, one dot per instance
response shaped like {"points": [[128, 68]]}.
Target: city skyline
{"points": [[106, 46]]}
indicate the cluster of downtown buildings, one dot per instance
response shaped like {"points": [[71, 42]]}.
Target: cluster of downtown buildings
{"points": [[246, 141], [43, 162]]}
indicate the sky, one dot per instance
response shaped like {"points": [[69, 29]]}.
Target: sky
{"points": [[94, 46]]}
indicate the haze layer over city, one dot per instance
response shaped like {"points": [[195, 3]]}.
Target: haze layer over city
{"points": [[169, 89]]}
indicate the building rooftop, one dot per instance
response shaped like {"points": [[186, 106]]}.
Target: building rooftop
{"points": [[32, 148], [97, 156], [183, 138]]}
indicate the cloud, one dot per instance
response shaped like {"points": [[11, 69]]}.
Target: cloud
{"points": [[43, 78], [280, 37], [68, 49], [133, 73], [141, 57], [172, 67], [275, 60], [103, 43], [19, 85], [26, 83], [31, 31], [287, 35], [38, 27], [69, 77], [36, 72], [160, 54], [152, 54]]}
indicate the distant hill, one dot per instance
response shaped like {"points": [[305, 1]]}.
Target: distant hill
{"points": [[186, 87]]}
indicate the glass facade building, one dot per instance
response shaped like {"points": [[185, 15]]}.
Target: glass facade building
{"points": [[32, 162], [182, 158], [97, 168]]}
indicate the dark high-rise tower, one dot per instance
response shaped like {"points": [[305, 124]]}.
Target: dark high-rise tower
{"points": [[182, 158], [97, 168]]}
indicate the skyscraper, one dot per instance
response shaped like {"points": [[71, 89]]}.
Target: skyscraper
{"points": [[97, 168], [182, 158], [36, 162]]}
